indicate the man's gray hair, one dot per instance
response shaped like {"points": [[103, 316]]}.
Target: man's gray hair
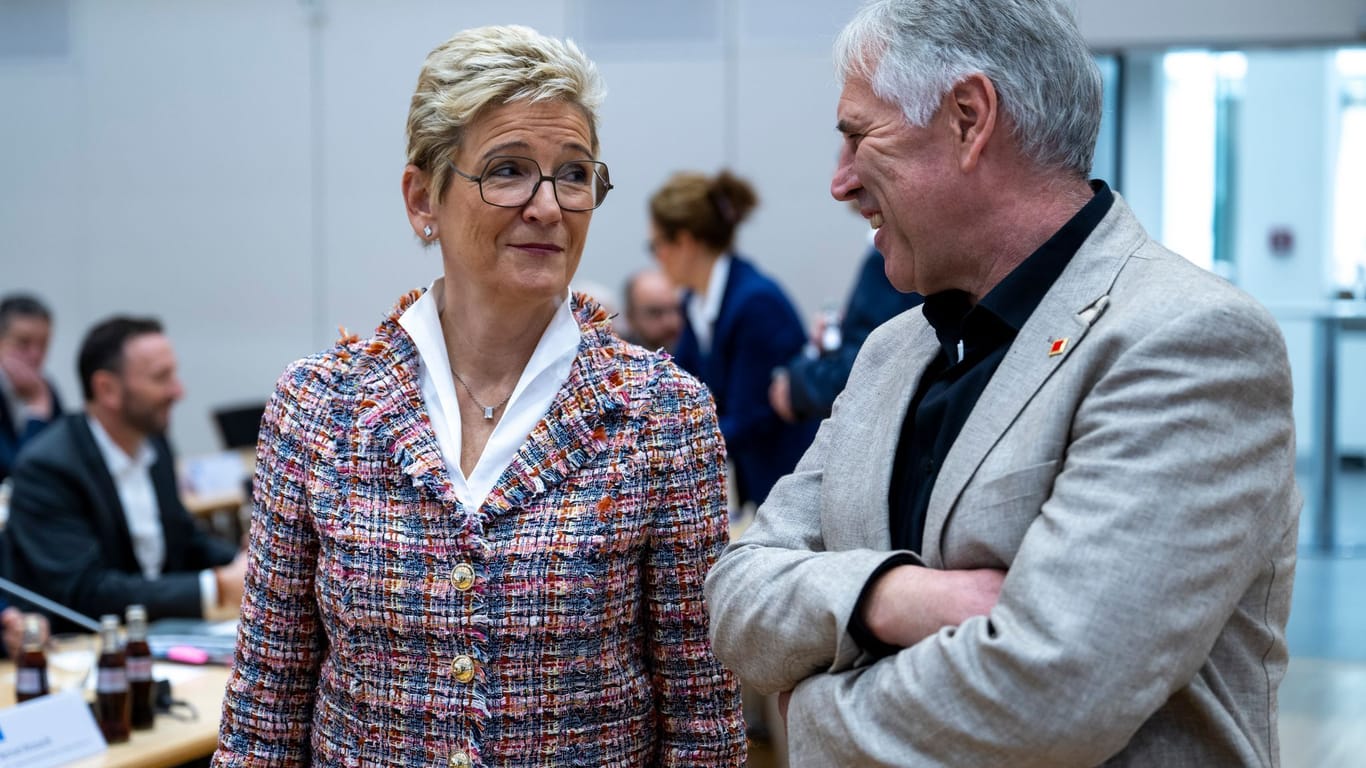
{"points": [[912, 52]]}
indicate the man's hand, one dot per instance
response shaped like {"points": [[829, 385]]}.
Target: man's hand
{"points": [[780, 397], [230, 578], [909, 603], [12, 630], [28, 385]]}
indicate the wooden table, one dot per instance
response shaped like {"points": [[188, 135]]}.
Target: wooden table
{"points": [[224, 514], [171, 741], [222, 510]]}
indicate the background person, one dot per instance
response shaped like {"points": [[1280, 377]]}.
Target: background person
{"points": [[481, 535], [96, 522], [739, 325], [28, 401], [654, 314], [807, 386]]}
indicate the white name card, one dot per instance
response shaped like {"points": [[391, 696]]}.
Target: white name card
{"points": [[48, 731]]}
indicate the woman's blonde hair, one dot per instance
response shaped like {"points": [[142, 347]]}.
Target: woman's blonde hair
{"points": [[710, 208], [491, 66]]}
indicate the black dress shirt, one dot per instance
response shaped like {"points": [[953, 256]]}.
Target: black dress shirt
{"points": [[973, 341]]}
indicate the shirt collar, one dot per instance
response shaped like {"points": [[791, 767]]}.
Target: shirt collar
{"points": [[1008, 306], [1016, 297], [115, 459], [12, 402], [422, 321], [707, 307]]}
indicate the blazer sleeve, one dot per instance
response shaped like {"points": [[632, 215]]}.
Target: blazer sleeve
{"points": [[780, 602], [54, 531], [768, 333], [268, 705], [697, 699], [815, 383], [1175, 496]]}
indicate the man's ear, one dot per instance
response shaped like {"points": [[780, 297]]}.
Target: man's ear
{"points": [[105, 388], [417, 200], [973, 112]]}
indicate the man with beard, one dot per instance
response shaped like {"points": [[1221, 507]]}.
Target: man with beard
{"points": [[95, 520]]}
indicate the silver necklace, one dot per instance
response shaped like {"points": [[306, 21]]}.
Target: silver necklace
{"points": [[487, 409]]}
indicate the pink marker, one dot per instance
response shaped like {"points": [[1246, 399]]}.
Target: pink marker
{"points": [[186, 654]]}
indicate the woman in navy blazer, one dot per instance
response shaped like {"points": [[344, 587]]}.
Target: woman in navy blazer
{"points": [[739, 325]]}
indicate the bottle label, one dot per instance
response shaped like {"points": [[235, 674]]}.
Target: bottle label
{"points": [[28, 680], [139, 669], [112, 680]]}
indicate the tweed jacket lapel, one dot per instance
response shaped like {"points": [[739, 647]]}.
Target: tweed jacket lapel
{"points": [[390, 406], [575, 429], [1064, 316]]}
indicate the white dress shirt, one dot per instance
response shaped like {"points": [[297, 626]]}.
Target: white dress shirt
{"points": [[704, 308], [544, 375], [18, 410], [133, 480], [132, 477]]}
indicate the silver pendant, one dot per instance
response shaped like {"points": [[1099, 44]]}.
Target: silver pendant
{"points": [[488, 413]]}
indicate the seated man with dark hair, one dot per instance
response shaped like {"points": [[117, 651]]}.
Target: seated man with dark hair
{"points": [[95, 520], [28, 402]]}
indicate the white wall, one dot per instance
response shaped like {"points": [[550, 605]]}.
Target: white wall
{"points": [[1159, 23], [233, 167]]}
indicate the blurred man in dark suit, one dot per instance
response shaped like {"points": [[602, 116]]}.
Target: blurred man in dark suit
{"points": [[95, 519]]}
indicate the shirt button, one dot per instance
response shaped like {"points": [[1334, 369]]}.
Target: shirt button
{"points": [[460, 760], [463, 668], [462, 576]]}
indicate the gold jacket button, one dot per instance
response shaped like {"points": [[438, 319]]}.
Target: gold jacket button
{"points": [[463, 668], [460, 760], [462, 576]]}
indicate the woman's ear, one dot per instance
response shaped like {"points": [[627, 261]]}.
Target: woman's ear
{"points": [[417, 199]]}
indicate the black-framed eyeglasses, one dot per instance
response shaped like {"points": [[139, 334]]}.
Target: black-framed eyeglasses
{"points": [[508, 181]]}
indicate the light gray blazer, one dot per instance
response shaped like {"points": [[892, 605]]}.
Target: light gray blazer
{"points": [[1139, 489]]}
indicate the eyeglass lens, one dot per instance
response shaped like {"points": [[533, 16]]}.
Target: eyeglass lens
{"points": [[580, 185]]}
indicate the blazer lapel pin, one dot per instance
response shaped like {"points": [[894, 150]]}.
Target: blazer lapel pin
{"points": [[1057, 347]]}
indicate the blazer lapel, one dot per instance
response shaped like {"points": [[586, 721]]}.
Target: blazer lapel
{"points": [[106, 496], [877, 454], [390, 407], [1067, 311], [169, 507]]}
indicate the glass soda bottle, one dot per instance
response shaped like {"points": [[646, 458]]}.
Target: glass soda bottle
{"points": [[111, 683], [139, 658], [30, 669]]}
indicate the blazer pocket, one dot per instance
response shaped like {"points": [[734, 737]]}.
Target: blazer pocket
{"points": [[992, 516], [1026, 482]]}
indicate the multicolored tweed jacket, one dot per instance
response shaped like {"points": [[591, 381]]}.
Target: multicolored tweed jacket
{"points": [[561, 623]]}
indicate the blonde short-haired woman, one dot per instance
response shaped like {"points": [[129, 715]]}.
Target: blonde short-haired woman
{"points": [[480, 536]]}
